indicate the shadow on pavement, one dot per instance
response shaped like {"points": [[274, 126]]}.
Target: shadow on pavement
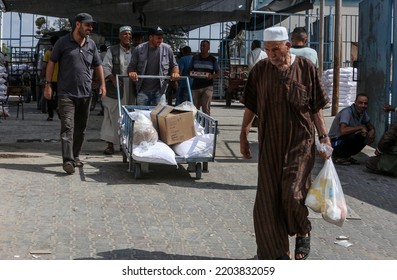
{"points": [[136, 254]]}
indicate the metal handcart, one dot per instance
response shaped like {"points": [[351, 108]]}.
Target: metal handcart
{"points": [[195, 164]]}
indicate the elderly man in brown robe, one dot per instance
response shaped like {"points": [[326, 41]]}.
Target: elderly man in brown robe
{"points": [[285, 92]]}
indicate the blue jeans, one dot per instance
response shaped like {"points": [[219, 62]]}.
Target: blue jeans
{"points": [[74, 114], [150, 98]]}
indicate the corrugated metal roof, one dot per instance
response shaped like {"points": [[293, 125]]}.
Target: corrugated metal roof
{"points": [[188, 14]]}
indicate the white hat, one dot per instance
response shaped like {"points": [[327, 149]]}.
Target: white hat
{"points": [[125, 28], [275, 33]]}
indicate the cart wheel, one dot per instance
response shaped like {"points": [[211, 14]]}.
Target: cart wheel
{"points": [[198, 170], [137, 171], [205, 167]]}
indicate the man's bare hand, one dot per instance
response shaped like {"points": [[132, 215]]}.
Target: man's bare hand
{"points": [[245, 147], [48, 92], [133, 76]]}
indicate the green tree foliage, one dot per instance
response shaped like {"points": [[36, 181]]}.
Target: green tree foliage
{"points": [[44, 25]]}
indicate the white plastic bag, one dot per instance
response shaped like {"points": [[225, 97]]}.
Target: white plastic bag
{"points": [[144, 133], [326, 196]]}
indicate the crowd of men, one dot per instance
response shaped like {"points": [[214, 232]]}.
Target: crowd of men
{"points": [[283, 91]]}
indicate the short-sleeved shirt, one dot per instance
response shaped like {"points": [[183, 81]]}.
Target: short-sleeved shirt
{"points": [[208, 65], [75, 66], [184, 66], [254, 56], [46, 58], [350, 117], [307, 52]]}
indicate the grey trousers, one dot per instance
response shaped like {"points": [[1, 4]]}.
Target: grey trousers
{"points": [[74, 114]]}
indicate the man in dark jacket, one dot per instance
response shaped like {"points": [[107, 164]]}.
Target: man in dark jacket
{"points": [[385, 159]]}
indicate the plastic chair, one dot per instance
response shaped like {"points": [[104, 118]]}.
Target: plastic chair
{"points": [[15, 94]]}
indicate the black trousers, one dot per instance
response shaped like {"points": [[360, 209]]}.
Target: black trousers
{"points": [[348, 145], [74, 114]]}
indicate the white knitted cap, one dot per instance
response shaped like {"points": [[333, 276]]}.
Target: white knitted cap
{"points": [[275, 33]]}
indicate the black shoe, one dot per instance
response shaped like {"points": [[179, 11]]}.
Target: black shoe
{"points": [[353, 161], [342, 161], [68, 167]]}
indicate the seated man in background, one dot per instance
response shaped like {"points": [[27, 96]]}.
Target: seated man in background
{"points": [[351, 131], [385, 159]]}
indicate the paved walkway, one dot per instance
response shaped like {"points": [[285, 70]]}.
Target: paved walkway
{"points": [[102, 212]]}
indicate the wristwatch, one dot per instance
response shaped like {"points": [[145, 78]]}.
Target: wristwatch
{"points": [[322, 136], [47, 82]]}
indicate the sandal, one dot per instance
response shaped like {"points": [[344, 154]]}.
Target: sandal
{"points": [[79, 163], [302, 246], [109, 150]]}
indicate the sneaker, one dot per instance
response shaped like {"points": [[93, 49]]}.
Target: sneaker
{"points": [[49, 119], [68, 167], [342, 161]]}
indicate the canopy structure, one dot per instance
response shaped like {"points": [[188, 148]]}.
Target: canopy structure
{"points": [[283, 7], [188, 14]]}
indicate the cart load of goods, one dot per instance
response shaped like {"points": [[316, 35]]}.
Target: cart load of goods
{"points": [[347, 85], [161, 134]]}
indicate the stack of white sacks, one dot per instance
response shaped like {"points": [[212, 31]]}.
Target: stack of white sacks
{"points": [[3, 90], [3, 80], [347, 87]]}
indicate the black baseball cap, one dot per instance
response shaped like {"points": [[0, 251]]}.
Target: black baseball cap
{"points": [[156, 31], [84, 18]]}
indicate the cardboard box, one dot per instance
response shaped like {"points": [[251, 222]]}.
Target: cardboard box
{"points": [[173, 125]]}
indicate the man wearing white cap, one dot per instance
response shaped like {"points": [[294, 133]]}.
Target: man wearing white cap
{"points": [[284, 91], [116, 62]]}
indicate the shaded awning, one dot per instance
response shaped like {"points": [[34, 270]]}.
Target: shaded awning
{"points": [[188, 14], [260, 21]]}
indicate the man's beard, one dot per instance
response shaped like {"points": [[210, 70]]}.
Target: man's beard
{"points": [[83, 34]]}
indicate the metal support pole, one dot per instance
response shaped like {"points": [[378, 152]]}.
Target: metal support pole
{"points": [[337, 57], [393, 86], [321, 40]]}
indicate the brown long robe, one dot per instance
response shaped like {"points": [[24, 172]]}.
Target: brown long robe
{"points": [[285, 102]]}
